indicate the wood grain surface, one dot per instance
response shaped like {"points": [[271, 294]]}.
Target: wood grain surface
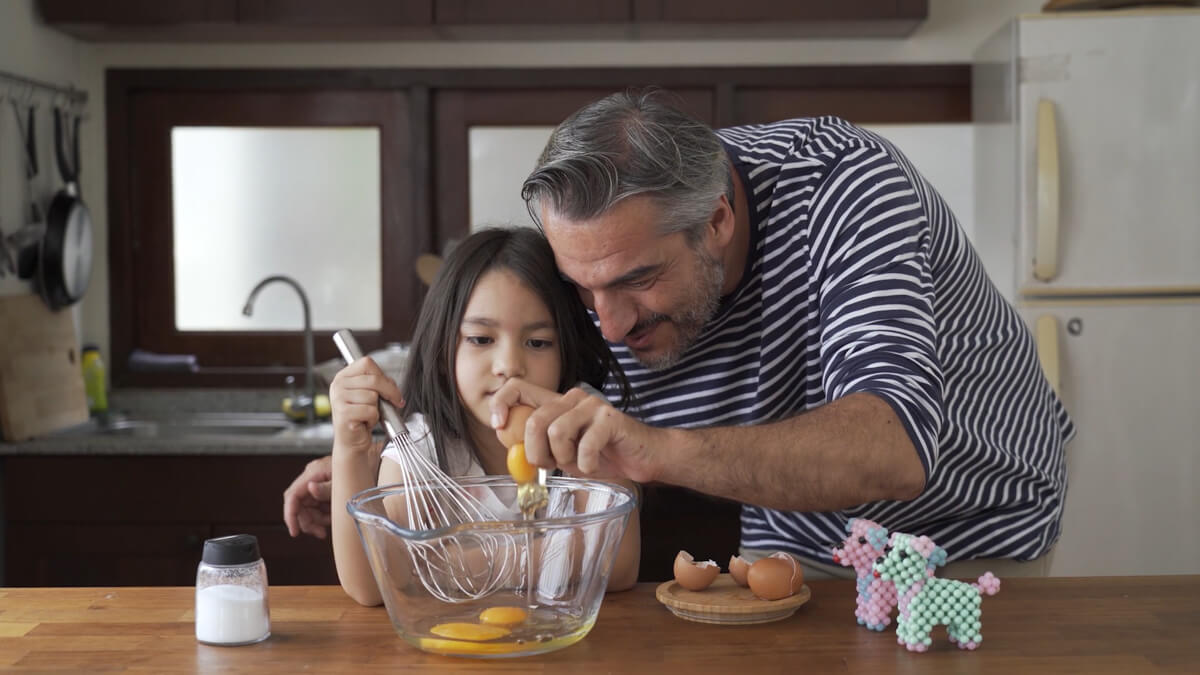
{"points": [[1093, 625]]}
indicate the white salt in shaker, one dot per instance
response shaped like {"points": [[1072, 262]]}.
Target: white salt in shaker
{"points": [[231, 593]]}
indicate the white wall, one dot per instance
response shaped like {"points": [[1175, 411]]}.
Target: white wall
{"points": [[950, 35]]}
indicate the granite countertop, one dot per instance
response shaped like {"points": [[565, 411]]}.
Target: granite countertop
{"points": [[101, 444], [290, 439]]}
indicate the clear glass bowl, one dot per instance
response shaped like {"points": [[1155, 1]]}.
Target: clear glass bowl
{"points": [[424, 576]]}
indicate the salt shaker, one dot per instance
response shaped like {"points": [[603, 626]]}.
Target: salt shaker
{"points": [[231, 593]]}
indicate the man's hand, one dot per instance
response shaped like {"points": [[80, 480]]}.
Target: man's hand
{"points": [[580, 433], [306, 500]]}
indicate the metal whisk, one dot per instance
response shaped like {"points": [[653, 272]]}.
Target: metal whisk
{"points": [[457, 567]]}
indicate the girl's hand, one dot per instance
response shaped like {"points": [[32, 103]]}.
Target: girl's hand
{"points": [[354, 401]]}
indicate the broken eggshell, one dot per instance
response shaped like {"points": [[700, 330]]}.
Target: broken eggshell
{"points": [[692, 575], [738, 569], [513, 431]]}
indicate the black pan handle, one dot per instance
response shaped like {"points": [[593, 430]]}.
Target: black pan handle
{"points": [[60, 149], [28, 131], [31, 170], [76, 167]]}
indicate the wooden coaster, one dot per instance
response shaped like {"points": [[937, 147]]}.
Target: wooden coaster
{"points": [[724, 602]]}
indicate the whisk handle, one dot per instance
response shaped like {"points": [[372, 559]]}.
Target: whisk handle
{"points": [[351, 352]]}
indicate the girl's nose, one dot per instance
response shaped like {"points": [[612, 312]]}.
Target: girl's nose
{"points": [[509, 361], [617, 317]]}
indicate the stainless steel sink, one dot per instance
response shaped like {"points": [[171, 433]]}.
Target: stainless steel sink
{"points": [[200, 425]]}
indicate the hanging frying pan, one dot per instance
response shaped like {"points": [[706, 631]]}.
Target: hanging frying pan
{"points": [[65, 263], [27, 240]]}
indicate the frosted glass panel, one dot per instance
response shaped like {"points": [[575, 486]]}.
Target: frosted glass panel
{"points": [[945, 155], [501, 159], [252, 202]]}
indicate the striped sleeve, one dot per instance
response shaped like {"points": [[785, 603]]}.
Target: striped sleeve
{"points": [[870, 249]]}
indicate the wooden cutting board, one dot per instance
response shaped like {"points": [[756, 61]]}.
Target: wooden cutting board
{"points": [[41, 380], [724, 602]]}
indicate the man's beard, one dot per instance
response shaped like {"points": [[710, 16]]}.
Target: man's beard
{"points": [[690, 320]]}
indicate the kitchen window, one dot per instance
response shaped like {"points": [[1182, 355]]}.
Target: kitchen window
{"points": [[227, 188], [259, 200]]}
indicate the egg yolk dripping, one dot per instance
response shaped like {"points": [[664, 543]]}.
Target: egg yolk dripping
{"points": [[519, 467], [531, 495]]}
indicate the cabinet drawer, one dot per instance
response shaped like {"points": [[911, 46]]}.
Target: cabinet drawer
{"points": [[91, 554]]}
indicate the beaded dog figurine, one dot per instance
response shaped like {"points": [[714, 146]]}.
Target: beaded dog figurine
{"points": [[876, 597], [927, 601]]}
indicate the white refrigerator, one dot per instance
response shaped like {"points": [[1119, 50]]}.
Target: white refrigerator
{"points": [[1087, 206]]}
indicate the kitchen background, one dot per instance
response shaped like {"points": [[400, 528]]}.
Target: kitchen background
{"points": [[950, 35], [141, 75]]}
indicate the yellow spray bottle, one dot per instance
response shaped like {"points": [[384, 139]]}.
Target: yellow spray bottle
{"points": [[94, 381]]}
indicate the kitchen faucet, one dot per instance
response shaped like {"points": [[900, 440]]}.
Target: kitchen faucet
{"points": [[308, 401]]}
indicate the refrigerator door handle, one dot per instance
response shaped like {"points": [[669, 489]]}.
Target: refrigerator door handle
{"points": [[1045, 256], [1045, 334]]}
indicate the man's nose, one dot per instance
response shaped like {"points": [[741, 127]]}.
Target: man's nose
{"points": [[617, 317]]}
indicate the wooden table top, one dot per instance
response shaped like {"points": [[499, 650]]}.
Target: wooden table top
{"points": [[1093, 625]]}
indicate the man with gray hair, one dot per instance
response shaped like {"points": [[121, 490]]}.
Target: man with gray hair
{"points": [[806, 329]]}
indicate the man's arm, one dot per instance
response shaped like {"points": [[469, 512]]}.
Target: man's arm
{"points": [[849, 452], [306, 500]]}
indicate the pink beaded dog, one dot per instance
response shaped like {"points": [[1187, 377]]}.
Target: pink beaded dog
{"points": [[876, 597], [927, 601]]}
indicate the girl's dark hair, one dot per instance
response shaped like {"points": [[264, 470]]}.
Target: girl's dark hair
{"points": [[429, 383]]}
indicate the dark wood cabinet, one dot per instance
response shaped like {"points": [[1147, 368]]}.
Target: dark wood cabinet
{"points": [[530, 12], [746, 11], [116, 20], [881, 95], [142, 521], [75, 13], [238, 20], [89, 553], [406, 13]]}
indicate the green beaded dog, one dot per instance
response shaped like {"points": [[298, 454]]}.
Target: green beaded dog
{"points": [[926, 601]]}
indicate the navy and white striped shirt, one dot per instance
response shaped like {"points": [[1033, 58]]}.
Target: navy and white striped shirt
{"points": [[859, 279]]}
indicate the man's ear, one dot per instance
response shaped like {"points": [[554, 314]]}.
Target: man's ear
{"points": [[721, 224]]}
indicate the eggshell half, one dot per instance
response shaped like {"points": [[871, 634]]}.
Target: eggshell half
{"points": [[738, 569], [692, 575], [513, 431]]}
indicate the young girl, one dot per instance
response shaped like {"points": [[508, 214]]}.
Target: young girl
{"points": [[497, 309]]}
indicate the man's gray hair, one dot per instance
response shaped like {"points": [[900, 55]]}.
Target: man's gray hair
{"points": [[628, 144]]}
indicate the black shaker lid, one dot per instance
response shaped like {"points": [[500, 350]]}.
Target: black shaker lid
{"points": [[236, 549]]}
